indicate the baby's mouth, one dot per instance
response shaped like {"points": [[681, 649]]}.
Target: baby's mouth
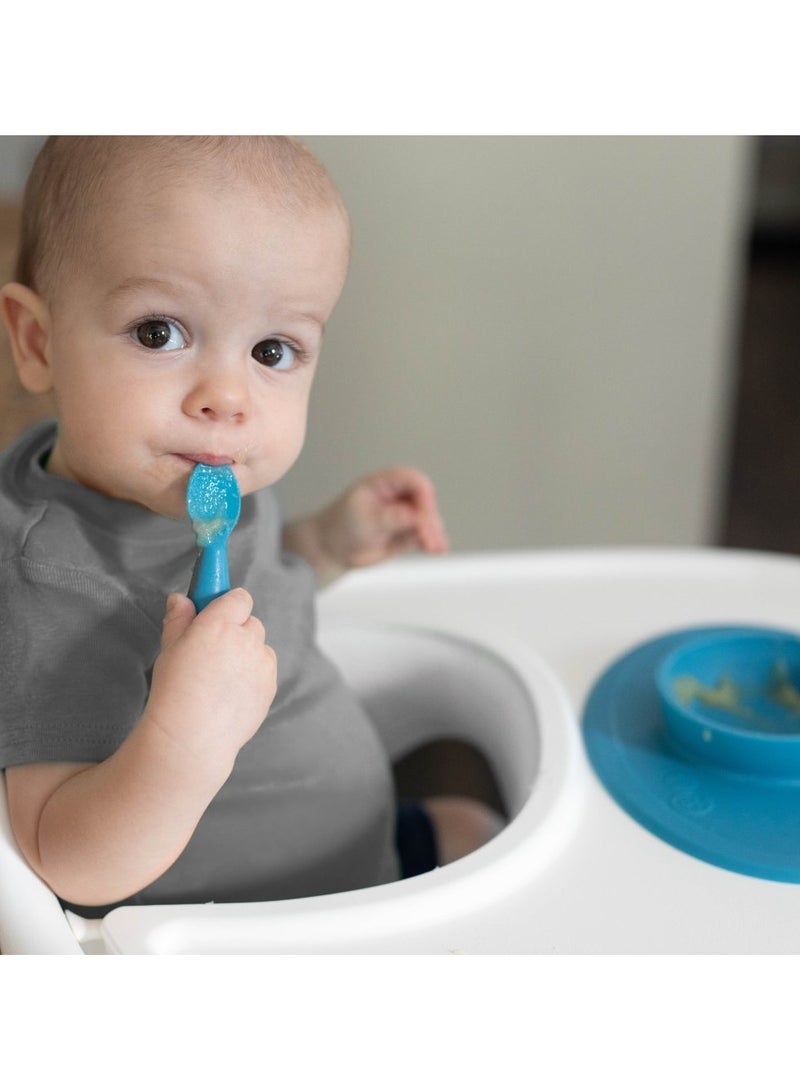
{"points": [[209, 459]]}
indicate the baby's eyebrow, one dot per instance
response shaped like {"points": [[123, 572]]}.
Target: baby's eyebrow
{"points": [[136, 285], [306, 318], [298, 313]]}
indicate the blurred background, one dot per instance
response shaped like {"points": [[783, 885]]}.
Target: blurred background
{"points": [[583, 340]]}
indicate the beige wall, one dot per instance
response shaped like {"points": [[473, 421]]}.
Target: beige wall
{"points": [[546, 325]]}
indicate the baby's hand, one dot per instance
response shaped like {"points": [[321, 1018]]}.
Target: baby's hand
{"points": [[215, 678], [379, 516]]}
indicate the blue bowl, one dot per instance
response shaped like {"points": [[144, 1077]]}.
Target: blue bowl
{"points": [[716, 782], [734, 701]]}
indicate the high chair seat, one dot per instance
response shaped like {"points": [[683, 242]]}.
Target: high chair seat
{"points": [[418, 685]]}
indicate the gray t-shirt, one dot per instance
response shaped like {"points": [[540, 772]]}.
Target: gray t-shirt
{"points": [[309, 806]]}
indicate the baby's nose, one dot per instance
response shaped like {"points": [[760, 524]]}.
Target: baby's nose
{"points": [[220, 393]]}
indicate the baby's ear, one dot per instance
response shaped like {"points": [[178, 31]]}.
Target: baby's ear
{"points": [[27, 320]]}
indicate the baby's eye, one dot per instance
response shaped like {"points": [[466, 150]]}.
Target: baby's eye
{"points": [[274, 354], [159, 333]]}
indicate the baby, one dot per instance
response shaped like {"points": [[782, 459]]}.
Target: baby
{"points": [[171, 294]]}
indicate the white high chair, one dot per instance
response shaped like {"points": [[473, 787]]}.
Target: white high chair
{"points": [[500, 650], [418, 686]]}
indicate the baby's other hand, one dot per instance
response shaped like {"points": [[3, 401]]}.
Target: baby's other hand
{"points": [[378, 517], [215, 678]]}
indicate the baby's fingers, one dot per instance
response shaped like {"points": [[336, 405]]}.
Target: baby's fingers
{"points": [[179, 615], [256, 629], [236, 608], [233, 608]]}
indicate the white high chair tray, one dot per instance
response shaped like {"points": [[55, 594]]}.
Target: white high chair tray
{"points": [[606, 885]]}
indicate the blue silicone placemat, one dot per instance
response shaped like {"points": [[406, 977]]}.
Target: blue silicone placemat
{"points": [[739, 821]]}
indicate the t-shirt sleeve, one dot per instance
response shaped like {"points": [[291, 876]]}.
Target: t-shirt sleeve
{"points": [[75, 660]]}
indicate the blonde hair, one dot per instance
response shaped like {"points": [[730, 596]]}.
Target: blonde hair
{"points": [[70, 173]]}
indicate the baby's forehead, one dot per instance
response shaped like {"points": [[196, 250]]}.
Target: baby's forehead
{"points": [[285, 172], [110, 186], [155, 186], [180, 237]]}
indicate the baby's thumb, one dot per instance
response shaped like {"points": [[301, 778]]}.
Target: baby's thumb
{"points": [[179, 615]]}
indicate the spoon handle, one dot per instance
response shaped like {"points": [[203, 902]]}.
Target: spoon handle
{"points": [[210, 578]]}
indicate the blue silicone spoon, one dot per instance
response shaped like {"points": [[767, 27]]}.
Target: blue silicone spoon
{"points": [[213, 503]]}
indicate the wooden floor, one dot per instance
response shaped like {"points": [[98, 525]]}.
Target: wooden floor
{"points": [[18, 409]]}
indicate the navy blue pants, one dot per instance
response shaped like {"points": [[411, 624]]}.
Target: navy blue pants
{"points": [[415, 838]]}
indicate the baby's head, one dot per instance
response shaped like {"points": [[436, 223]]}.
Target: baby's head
{"points": [[172, 293]]}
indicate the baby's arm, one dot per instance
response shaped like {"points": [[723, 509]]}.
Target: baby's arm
{"points": [[379, 516], [98, 833]]}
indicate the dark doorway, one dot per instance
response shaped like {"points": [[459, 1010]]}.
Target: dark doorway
{"points": [[762, 506]]}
